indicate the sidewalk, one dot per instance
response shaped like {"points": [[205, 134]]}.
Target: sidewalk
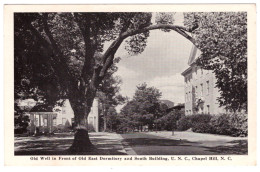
{"points": [[110, 142], [208, 140], [58, 144]]}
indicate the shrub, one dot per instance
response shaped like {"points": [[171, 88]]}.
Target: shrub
{"points": [[239, 124], [221, 124], [201, 123], [230, 124], [184, 123], [169, 122], [224, 124]]}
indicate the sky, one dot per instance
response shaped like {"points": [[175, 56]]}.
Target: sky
{"points": [[160, 65]]}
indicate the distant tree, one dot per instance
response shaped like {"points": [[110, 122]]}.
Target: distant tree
{"points": [[169, 120], [21, 121], [144, 107], [113, 120], [109, 96], [222, 39]]}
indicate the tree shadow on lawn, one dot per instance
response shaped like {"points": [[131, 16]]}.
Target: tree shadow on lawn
{"points": [[60, 147], [236, 147], [157, 142]]}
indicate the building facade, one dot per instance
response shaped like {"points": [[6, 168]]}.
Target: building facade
{"points": [[200, 91], [93, 117], [48, 120]]}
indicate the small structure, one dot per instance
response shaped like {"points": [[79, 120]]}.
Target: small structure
{"points": [[44, 119]]}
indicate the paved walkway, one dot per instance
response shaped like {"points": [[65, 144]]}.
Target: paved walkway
{"points": [[58, 144], [146, 143]]}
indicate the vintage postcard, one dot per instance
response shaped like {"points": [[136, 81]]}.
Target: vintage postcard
{"points": [[130, 85]]}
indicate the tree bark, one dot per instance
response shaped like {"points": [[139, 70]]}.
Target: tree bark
{"points": [[81, 143]]}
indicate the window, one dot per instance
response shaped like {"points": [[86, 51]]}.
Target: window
{"points": [[201, 85], [208, 109], [201, 71], [189, 96], [207, 87], [186, 97]]}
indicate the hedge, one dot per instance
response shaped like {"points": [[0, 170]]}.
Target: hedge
{"points": [[223, 124]]}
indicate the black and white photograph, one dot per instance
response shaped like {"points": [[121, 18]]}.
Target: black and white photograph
{"points": [[131, 83]]}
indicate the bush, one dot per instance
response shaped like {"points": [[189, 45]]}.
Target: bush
{"points": [[184, 123], [221, 124], [230, 124], [169, 121], [201, 123], [224, 124], [240, 124]]}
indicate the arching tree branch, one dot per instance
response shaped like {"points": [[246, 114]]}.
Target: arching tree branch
{"points": [[109, 54], [180, 29]]}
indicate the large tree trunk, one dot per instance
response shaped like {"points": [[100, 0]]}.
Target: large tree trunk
{"points": [[81, 143]]}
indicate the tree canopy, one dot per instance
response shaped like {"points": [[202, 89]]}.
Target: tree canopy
{"points": [[144, 107], [222, 39]]}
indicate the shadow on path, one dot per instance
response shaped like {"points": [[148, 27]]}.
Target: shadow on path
{"points": [[59, 145]]}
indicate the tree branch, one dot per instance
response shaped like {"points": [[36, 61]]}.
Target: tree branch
{"points": [[89, 53], [108, 57], [180, 29]]}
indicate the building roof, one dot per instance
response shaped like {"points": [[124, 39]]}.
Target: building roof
{"points": [[177, 107], [194, 54], [186, 71], [41, 108], [168, 103]]}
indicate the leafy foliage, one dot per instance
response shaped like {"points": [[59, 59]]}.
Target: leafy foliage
{"points": [[184, 123], [222, 39], [230, 124], [169, 121], [144, 108], [21, 121], [200, 123], [223, 124]]}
